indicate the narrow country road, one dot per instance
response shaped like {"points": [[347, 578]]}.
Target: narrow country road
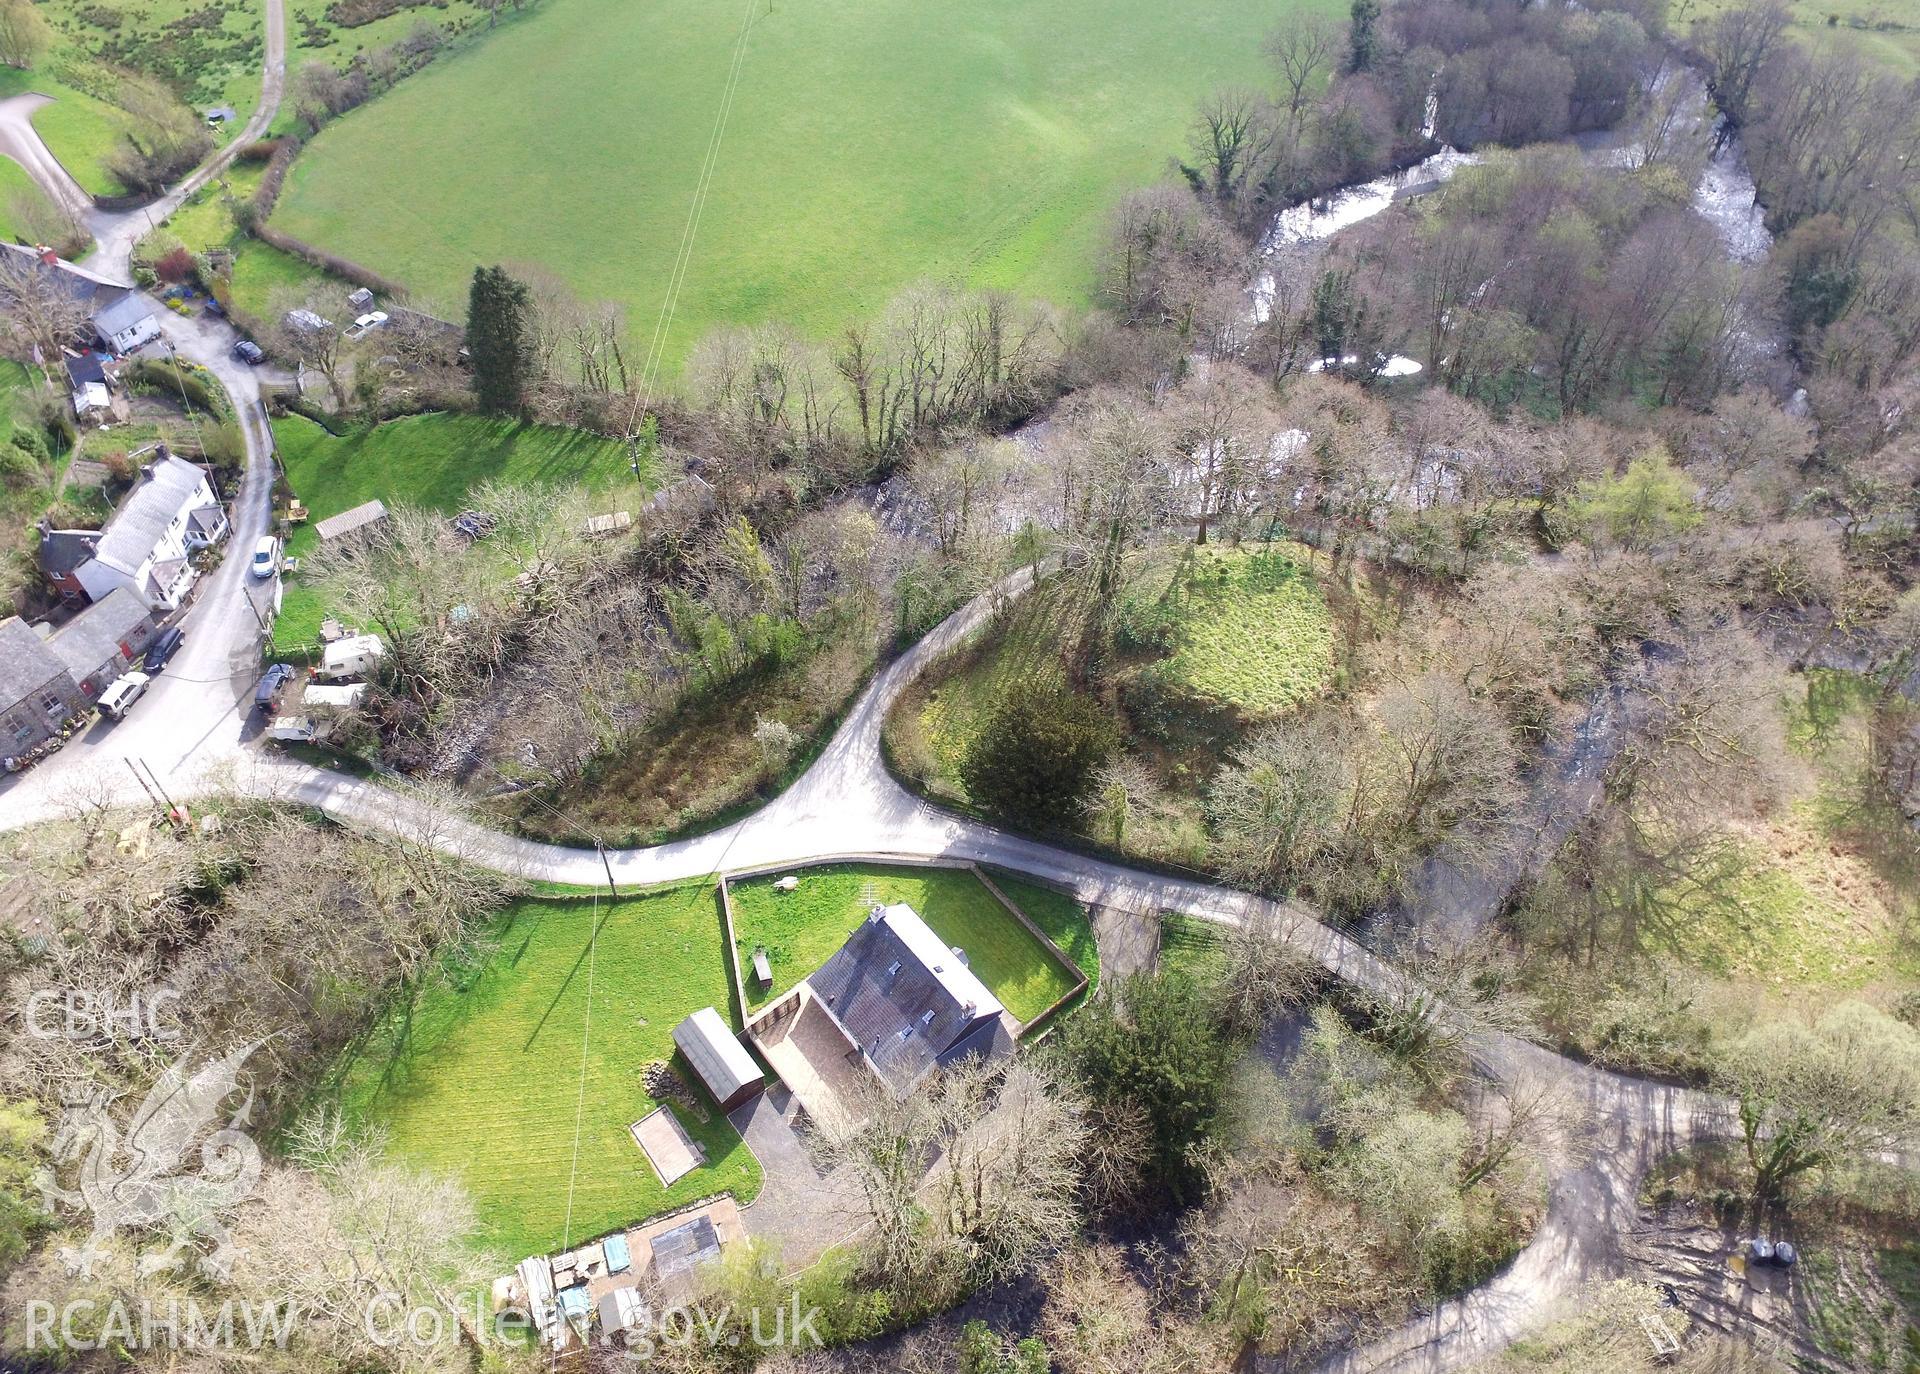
{"points": [[20, 141], [847, 803], [194, 737], [116, 231], [192, 710]]}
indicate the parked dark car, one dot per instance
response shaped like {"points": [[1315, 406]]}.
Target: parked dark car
{"points": [[165, 645], [247, 351], [270, 684]]}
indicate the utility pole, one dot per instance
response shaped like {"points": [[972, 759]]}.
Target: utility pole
{"points": [[612, 893], [143, 785], [171, 807]]}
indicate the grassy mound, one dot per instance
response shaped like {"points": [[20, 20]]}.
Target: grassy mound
{"points": [[802, 929], [479, 1077], [871, 144], [1254, 633]]}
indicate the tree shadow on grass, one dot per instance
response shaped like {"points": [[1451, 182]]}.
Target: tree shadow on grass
{"points": [[572, 973]]}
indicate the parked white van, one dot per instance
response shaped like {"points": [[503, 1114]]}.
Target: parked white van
{"points": [[126, 689]]}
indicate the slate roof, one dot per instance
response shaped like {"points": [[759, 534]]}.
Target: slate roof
{"points": [[61, 551], [85, 368], [90, 291], [207, 520], [94, 636], [27, 665], [886, 979], [121, 314], [130, 536], [164, 574]]}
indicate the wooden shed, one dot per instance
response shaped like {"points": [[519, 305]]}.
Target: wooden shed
{"points": [[715, 1053]]}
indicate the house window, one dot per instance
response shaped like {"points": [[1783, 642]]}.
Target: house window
{"points": [[23, 734], [893, 969], [906, 1033], [926, 1018], [54, 703]]}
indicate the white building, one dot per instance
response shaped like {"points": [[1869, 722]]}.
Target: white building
{"points": [[126, 324], [148, 545]]}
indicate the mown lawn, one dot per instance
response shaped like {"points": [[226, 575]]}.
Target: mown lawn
{"points": [[802, 929], [1060, 916], [872, 143], [1253, 631], [478, 1077], [435, 460]]}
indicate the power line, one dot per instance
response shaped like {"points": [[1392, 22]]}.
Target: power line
{"points": [[580, 1098], [683, 257]]}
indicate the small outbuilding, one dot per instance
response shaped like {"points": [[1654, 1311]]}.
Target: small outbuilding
{"points": [[125, 324], [717, 1056], [614, 522], [351, 658], [365, 516]]}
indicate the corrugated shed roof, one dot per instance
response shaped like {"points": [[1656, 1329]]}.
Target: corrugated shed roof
{"points": [[27, 665], [686, 1246], [130, 536], [715, 1053], [347, 521], [904, 997], [95, 635]]}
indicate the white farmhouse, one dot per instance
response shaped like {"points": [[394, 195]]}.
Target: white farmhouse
{"points": [[126, 324], [148, 545]]}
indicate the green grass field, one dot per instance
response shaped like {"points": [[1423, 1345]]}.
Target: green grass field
{"points": [[313, 36], [78, 128], [1191, 946], [1822, 893], [1254, 633], [207, 50], [1886, 30], [802, 929], [435, 460], [207, 221], [480, 1080], [872, 143], [16, 188]]}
